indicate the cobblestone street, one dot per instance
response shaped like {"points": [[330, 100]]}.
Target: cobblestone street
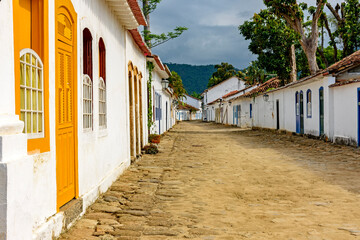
{"points": [[216, 182]]}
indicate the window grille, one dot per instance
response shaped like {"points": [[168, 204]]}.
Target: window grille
{"points": [[102, 103], [309, 104], [87, 102], [31, 94]]}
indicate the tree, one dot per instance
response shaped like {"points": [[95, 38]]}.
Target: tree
{"points": [[347, 16], [272, 40], [253, 74], [151, 39], [176, 83], [223, 71], [293, 13]]}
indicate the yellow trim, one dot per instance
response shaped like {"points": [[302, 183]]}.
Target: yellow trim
{"points": [[23, 40]]}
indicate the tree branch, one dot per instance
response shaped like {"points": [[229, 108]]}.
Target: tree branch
{"points": [[335, 13]]}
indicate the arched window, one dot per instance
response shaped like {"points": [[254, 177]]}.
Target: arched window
{"points": [[31, 93], [87, 80], [102, 84], [308, 103]]}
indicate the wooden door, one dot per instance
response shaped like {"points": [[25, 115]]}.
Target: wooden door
{"points": [[66, 122], [131, 114]]}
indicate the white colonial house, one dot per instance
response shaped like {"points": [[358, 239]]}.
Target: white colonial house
{"points": [[189, 109], [162, 97], [73, 109], [326, 105], [213, 96]]}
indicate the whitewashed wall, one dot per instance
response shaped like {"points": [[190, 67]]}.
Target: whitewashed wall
{"points": [[346, 113], [163, 125], [6, 65], [97, 166], [196, 103], [222, 89]]}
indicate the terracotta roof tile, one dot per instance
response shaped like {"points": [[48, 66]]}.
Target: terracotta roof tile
{"points": [[346, 82], [184, 106], [159, 63], [140, 42], [136, 10], [271, 83], [351, 60], [231, 94]]}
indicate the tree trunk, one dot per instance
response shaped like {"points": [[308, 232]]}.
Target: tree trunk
{"points": [[310, 46], [293, 76], [147, 18]]}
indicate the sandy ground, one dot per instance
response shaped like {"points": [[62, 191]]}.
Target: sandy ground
{"points": [[215, 182]]}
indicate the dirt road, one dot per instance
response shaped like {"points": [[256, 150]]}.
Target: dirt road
{"points": [[215, 182]]}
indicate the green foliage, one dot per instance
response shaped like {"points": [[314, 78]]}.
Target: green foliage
{"points": [[150, 66], [223, 72], [194, 78], [176, 83], [149, 6], [253, 74], [152, 39], [196, 95], [349, 27], [155, 40], [329, 56], [293, 14], [271, 40]]}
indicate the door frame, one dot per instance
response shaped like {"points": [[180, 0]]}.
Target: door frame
{"points": [[297, 111], [302, 117], [66, 6]]}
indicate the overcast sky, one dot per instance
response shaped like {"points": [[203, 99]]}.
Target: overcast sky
{"points": [[213, 34]]}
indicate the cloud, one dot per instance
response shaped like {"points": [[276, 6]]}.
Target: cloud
{"points": [[213, 34]]}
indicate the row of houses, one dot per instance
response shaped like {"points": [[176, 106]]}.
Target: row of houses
{"points": [[325, 105], [189, 108], [74, 107]]}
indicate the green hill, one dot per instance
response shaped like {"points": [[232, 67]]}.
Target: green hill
{"points": [[194, 77]]}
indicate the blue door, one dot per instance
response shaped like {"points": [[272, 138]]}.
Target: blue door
{"points": [[234, 114], [238, 115], [301, 112], [321, 99], [297, 112], [358, 104]]}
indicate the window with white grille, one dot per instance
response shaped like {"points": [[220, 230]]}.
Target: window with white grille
{"points": [[31, 94], [102, 84], [102, 103], [87, 102], [309, 103]]}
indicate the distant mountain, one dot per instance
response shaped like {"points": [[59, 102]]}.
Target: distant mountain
{"points": [[194, 77]]}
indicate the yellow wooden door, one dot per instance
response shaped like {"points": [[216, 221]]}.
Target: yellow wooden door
{"points": [[66, 124]]}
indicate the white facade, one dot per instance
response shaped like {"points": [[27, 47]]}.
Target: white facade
{"points": [[163, 111], [211, 95], [28, 180], [186, 114], [325, 105]]}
